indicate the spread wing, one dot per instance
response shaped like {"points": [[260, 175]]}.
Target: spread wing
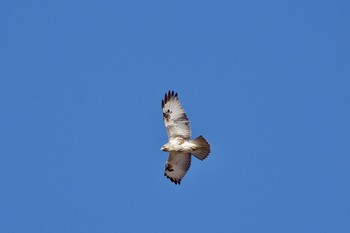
{"points": [[175, 119], [177, 165]]}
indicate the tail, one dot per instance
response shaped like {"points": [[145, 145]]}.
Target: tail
{"points": [[203, 148]]}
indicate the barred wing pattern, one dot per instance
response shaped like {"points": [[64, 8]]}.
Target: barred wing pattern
{"points": [[175, 119], [177, 165]]}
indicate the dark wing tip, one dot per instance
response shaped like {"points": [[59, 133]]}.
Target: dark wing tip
{"points": [[175, 181], [168, 96]]}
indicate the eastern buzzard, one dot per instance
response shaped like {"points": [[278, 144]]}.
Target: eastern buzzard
{"points": [[180, 147]]}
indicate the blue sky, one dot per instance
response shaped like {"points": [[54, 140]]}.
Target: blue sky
{"points": [[266, 82]]}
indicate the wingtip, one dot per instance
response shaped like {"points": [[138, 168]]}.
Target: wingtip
{"points": [[176, 182], [168, 96]]}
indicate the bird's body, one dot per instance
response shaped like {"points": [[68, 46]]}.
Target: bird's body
{"points": [[179, 145]]}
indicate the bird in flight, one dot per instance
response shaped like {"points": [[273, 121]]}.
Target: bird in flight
{"points": [[180, 146]]}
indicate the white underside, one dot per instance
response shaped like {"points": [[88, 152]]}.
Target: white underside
{"points": [[180, 145]]}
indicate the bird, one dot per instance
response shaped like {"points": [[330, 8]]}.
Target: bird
{"points": [[179, 145]]}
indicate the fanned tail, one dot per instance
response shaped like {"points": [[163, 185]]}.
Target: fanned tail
{"points": [[203, 148]]}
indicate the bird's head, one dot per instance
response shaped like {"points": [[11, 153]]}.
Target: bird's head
{"points": [[165, 147]]}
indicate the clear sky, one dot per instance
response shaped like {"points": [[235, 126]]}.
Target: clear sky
{"points": [[266, 82]]}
